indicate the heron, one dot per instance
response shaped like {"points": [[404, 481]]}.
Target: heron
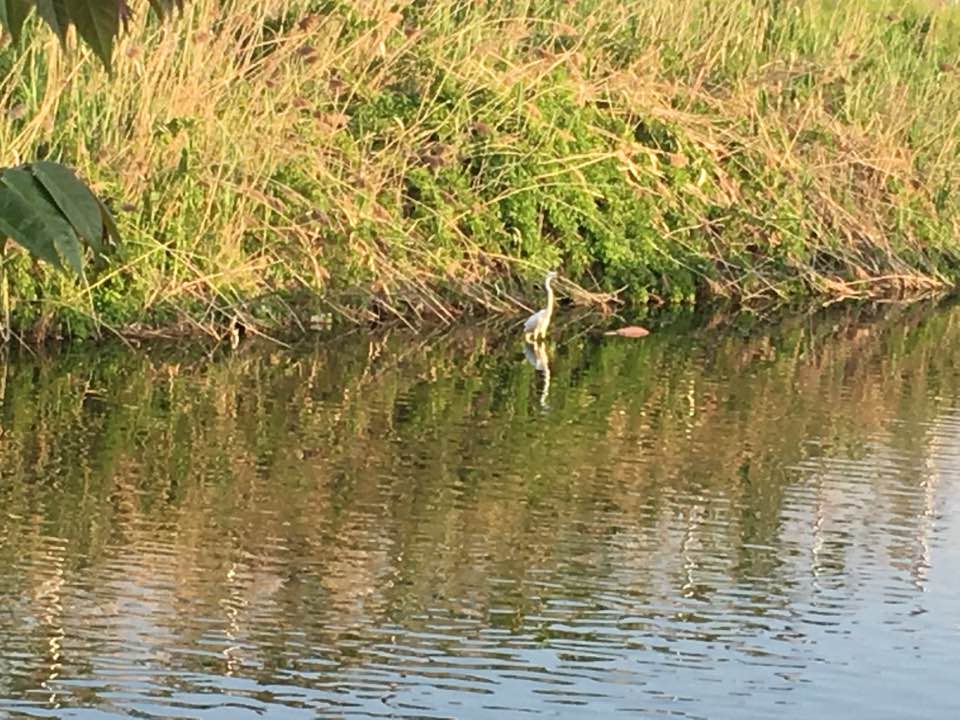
{"points": [[535, 328]]}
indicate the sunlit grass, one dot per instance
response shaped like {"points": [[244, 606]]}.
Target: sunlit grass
{"points": [[370, 159]]}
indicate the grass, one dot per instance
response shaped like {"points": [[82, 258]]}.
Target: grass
{"points": [[272, 162]]}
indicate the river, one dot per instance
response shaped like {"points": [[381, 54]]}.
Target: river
{"points": [[725, 519]]}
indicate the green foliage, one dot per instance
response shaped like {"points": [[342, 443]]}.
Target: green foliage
{"points": [[74, 200], [56, 14], [46, 209], [424, 160], [98, 22], [556, 193], [13, 13]]}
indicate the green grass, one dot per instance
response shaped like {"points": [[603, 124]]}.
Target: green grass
{"points": [[287, 159]]}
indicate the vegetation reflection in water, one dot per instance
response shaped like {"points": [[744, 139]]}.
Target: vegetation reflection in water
{"points": [[709, 524]]}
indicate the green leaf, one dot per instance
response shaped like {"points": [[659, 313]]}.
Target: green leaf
{"points": [[28, 216], [12, 15], [68, 246], [54, 14], [54, 228], [98, 23], [78, 205]]}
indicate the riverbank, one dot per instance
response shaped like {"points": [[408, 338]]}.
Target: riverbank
{"points": [[286, 162]]}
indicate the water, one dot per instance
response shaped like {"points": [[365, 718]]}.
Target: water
{"points": [[707, 523]]}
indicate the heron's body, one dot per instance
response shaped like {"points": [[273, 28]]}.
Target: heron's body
{"points": [[536, 326]]}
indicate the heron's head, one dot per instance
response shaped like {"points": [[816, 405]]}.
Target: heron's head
{"points": [[551, 275]]}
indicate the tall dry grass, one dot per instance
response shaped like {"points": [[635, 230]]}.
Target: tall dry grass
{"points": [[272, 161]]}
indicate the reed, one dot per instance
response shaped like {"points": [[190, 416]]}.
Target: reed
{"points": [[276, 161]]}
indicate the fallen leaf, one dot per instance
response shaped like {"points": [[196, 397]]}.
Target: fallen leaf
{"points": [[633, 331]]}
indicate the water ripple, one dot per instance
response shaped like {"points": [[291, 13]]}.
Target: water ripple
{"points": [[694, 527]]}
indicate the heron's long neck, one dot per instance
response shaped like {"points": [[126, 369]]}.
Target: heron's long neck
{"points": [[549, 298]]}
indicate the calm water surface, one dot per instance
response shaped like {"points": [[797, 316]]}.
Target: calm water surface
{"points": [[706, 523]]}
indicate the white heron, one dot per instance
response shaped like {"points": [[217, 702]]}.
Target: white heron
{"points": [[535, 328]]}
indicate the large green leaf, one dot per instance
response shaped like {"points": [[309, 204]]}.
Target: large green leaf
{"points": [[69, 248], [74, 199], [98, 22], [12, 15], [22, 220], [54, 14], [30, 217]]}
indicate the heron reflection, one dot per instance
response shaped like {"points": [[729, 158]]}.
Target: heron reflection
{"points": [[536, 355]]}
